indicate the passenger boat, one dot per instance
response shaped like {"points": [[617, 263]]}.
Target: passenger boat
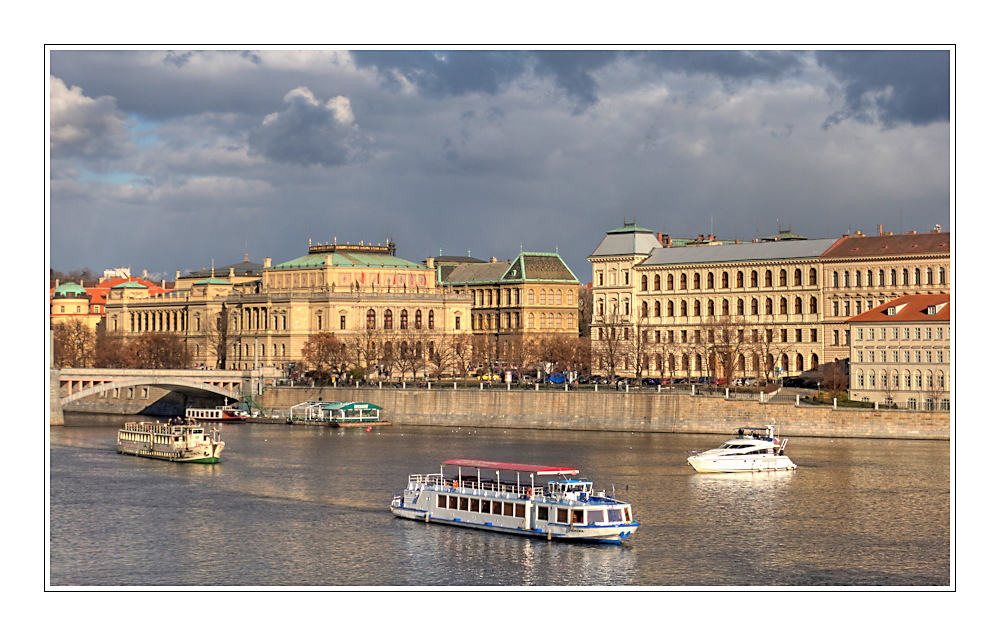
{"points": [[228, 413], [343, 414], [752, 450], [503, 497], [174, 442]]}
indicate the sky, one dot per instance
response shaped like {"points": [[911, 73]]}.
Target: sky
{"points": [[167, 160]]}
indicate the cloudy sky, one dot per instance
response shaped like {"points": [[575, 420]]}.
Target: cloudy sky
{"points": [[166, 160]]}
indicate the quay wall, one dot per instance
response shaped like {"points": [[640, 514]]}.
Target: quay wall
{"points": [[581, 410]]}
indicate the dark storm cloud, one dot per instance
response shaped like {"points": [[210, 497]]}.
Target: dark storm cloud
{"points": [[891, 87], [445, 73], [309, 132]]}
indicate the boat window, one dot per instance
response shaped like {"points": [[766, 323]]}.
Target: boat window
{"points": [[508, 509], [463, 503], [442, 501], [615, 515], [543, 513], [562, 515], [484, 506], [497, 508], [577, 516], [519, 510], [595, 516], [453, 502]]}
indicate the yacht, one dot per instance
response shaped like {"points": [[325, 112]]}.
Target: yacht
{"points": [[529, 500], [752, 450]]}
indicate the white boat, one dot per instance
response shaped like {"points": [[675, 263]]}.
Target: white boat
{"points": [[752, 450], [507, 498], [227, 413], [181, 442]]}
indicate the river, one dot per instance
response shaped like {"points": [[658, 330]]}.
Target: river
{"points": [[309, 506]]}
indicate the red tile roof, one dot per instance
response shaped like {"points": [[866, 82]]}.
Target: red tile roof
{"points": [[910, 309], [890, 245]]}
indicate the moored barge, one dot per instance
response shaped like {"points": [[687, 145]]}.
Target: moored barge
{"points": [[504, 497], [184, 442]]}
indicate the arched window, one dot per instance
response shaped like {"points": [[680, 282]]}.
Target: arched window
{"points": [[798, 277], [768, 307], [881, 278], [813, 305], [868, 279], [404, 319], [812, 276], [684, 281], [916, 276], [892, 278], [784, 305], [642, 283], [656, 282], [711, 280], [684, 308], [739, 279], [798, 305], [941, 280], [725, 307], [656, 309], [753, 279], [857, 278], [370, 322], [387, 319], [697, 308], [711, 307], [551, 298], [418, 320], [836, 280], [767, 279], [783, 278], [740, 307], [430, 319], [670, 282], [754, 307], [531, 320], [725, 280], [644, 309], [531, 296], [906, 277], [670, 308], [697, 281]]}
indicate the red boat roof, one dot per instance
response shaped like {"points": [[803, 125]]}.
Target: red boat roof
{"points": [[525, 468]]}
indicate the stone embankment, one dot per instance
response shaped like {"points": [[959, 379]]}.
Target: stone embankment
{"points": [[648, 412]]}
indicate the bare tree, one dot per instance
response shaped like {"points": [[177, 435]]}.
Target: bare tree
{"points": [[585, 303], [726, 342], [73, 344], [325, 355], [611, 345]]}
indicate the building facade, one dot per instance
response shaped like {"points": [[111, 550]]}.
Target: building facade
{"points": [[363, 294], [534, 295], [901, 353], [761, 310]]}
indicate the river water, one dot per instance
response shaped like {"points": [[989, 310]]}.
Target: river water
{"points": [[304, 506]]}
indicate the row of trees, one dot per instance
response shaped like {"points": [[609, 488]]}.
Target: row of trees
{"points": [[719, 343], [74, 344], [393, 354]]}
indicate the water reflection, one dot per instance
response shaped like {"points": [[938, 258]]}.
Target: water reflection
{"points": [[299, 506]]}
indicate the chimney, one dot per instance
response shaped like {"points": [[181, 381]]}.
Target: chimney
{"points": [[429, 263], [493, 259], [267, 263], [177, 274]]}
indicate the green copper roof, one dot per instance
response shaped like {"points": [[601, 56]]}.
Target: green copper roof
{"points": [[338, 259], [213, 281], [129, 285], [69, 288], [628, 228]]}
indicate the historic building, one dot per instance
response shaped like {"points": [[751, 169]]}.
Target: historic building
{"points": [[75, 301], [531, 296], [365, 295], [901, 352], [765, 309]]}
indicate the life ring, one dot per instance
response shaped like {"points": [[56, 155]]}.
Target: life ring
{"points": [[454, 484]]}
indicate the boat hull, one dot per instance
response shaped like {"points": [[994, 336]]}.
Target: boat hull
{"points": [[202, 456], [757, 464]]}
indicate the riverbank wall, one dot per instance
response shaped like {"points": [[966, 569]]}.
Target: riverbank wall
{"points": [[648, 412]]}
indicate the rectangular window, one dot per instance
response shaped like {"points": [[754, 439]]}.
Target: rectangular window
{"points": [[871, 333], [508, 509], [577, 516], [562, 515], [497, 508], [595, 516], [543, 513], [463, 503], [442, 501], [615, 515], [453, 502], [519, 510]]}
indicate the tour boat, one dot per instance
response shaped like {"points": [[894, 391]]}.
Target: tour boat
{"points": [[227, 413], [343, 414], [752, 450], [185, 442], [503, 497]]}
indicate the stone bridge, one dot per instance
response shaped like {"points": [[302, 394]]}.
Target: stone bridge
{"points": [[69, 385]]}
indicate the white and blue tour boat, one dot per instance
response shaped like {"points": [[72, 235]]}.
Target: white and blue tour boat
{"points": [[174, 442], [504, 497]]}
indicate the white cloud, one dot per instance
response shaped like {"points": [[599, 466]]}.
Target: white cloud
{"points": [[84, 126]]}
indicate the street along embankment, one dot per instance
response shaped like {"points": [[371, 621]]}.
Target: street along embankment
{"points": [[674, 411]]}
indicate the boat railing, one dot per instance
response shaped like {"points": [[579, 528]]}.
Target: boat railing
{"points": [[473, 483]]}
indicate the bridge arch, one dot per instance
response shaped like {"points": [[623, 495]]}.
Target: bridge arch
{"points": [[187, 387]]}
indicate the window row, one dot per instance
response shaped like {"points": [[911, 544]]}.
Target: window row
{"points": [[404, 320], [904, 356], [894, 333], [670, 308], [654, 282], [695, 364], [905, 381], [892, 277]]}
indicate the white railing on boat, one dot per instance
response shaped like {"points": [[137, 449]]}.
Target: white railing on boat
{"points": [[474, 484]]}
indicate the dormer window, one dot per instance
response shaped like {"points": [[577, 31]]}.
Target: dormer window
{"points": [[932, 310], [891, 311]]}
